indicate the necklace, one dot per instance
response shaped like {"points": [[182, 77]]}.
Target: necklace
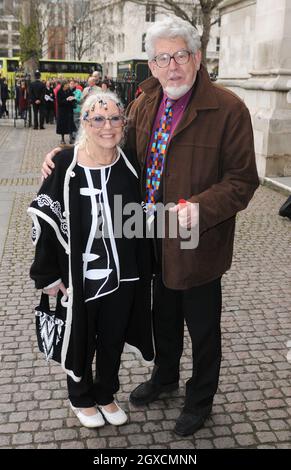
{"points": [[116, 153]]}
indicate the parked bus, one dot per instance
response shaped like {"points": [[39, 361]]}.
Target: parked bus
{"points": [[134, 69], [11, 67], [68, 68], [8, 67]]}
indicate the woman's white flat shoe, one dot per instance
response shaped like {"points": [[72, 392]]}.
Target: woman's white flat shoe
{"points": [[94, 421], [117, 418]]}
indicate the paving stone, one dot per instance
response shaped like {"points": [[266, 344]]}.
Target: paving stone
{"points": [[44, 436], [72, 445], [221, 430], [97, 443], [140, 439], [224, 443], [17, 417], [22, 438], [203, 444], [246, 440], [262, 426], [242, 428], [118, 442], [266, 437], [283, 435], [65, 434], [181, 445], [4, 440], [30, 426]]}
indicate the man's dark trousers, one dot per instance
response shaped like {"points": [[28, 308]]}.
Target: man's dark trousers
{"points": [[38, 109], [201, 308]]}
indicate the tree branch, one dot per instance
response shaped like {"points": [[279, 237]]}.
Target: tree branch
{"points": [[168, 5]]}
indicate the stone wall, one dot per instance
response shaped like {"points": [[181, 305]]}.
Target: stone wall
{"points": [[262, 77]]}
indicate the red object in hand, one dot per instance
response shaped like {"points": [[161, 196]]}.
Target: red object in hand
{"points": [[182, 201]]}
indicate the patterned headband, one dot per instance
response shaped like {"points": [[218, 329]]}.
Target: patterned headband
{"points": [[102, 104]]}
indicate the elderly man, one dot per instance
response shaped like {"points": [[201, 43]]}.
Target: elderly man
{"points": [[193, 141], [91, 88], [209, 160]]}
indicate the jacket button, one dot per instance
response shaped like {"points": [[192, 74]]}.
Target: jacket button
{"points": [[72, 174]]}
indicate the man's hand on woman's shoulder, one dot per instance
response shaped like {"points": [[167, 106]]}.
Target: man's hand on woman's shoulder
{"points": [[48, 164]]}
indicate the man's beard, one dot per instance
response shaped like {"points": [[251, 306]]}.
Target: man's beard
{"points": [[176, 92]]}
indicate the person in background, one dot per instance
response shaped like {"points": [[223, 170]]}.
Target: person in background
{"points": [[98, 79], [104, 85], [138, 92], [36, 96], [77, 108], [23, 101], [58, 84], [65, 118], [49, 99], [91, 88], [78, 85], [4, 97]]}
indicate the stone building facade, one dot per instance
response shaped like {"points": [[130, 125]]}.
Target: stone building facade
{"points": [[9, 28], [120, 29], [255, 62]]}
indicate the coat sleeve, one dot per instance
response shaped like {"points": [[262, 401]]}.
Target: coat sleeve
{"points": [[238, 173], [45, 267]]}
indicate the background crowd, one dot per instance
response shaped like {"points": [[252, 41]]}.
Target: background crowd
{"points": [[54, 101]]}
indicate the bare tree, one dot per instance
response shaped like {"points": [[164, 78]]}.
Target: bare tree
{"points": [[39, 28], [29, 44], [207, 9], [81, 38], [183, 10]]}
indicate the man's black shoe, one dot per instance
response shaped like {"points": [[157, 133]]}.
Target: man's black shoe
{"points": [[189, 423], [148, 392]]}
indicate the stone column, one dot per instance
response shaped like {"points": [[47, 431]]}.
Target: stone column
{"points": [[265, 91], [270, 75]]}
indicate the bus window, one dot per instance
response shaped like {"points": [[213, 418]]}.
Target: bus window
{"points": [[68, 68], [12, 65]]}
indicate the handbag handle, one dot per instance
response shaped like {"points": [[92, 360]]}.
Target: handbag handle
{"points": [[45, 302]]}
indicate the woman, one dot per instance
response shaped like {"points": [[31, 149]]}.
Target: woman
{"points": [[23, 100], [65, 117], [4, 97], [49, 98], [76, 253]]}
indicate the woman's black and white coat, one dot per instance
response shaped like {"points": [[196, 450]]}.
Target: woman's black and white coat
{"points": [[57, 235]]}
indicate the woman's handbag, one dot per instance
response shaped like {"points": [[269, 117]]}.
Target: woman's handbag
{"points": [[50, 328], [285, 209]]}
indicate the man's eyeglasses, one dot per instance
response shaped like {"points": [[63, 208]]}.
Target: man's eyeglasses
{"points": [[180, 57], [99, 121]]}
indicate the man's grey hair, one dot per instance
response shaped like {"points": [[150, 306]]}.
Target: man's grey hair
{"points": [[88, 105], [172, 27]]}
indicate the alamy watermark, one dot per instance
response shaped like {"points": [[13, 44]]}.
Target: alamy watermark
{"points": [[132, 220]]}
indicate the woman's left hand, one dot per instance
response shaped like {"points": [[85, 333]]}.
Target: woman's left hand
{"points": [[53, 291]]}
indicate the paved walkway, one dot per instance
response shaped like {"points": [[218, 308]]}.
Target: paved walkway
{"points": [[253, 405]]}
